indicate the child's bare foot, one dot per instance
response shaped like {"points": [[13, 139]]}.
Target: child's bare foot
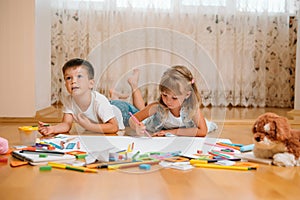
{"points": [[114, 95], [134, 79]]}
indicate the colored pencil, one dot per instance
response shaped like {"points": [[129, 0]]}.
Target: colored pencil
{"points": [[214, 166], [71, 167], [132, 164], [42, 151]]}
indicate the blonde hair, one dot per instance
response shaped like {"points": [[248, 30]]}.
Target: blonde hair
{"points": [[179, 80]]}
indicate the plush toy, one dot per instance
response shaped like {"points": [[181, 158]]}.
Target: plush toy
{"points": [[274, 138], [3, 145]]}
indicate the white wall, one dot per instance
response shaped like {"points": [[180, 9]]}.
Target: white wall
{"points": [[297, 78], [23, 69], [43, 54]]}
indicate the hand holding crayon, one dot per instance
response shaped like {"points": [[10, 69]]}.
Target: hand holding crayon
{"points": [[45, 129], [141, 127]]}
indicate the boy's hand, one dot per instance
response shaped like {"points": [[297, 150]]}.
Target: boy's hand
{"points": [[45, 129], [82, 120]]}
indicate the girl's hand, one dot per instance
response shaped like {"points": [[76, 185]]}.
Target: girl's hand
{"points": [[140, 129], [160, 134], [45, 129]]}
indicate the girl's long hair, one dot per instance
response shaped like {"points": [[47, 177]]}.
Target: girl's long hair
{"points": [[179, 80]]}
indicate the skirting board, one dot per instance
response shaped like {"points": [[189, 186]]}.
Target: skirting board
{"points": [[50, 114]]}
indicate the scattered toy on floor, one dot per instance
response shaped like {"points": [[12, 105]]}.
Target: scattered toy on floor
{"points": [[274, 138]]}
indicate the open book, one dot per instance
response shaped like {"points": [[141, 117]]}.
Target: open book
{"points": [[35, 158]]}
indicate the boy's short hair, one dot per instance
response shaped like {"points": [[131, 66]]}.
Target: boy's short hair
{"points": [[76, 62]]}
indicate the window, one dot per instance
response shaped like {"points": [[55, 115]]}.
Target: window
{"points": [[142, 4], [204, 3], [271, 6]]}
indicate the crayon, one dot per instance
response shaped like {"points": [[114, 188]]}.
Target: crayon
{"points": [[121, 151], [80, 156], [43, 155], [214, 166], [41, 144], [70, 145], [219, 154], [232, 144], [55, 145], [135, 155], [62, 144], [229, 146], [218, 145], [247, 148], [70, 167], [145, 166], [128, 148], [3, 160], [70, 139], [195, 161], [45, 168], [132, 164], [105, 165], [42, 152]]}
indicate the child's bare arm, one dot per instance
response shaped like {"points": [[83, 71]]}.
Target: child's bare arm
{"points": [[111, 126], [201, 124], [62, 127], [141, 115], [199, 131], [190, 132]]}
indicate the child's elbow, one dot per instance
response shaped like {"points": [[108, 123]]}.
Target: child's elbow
{"points": [[113, 126], [114, 129], [201, 133]]}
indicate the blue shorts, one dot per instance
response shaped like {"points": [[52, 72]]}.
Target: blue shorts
{"points": [[125, 108]]}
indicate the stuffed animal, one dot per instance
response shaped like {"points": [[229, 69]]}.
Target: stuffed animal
{"points": [[274, 138], [3, 145]]}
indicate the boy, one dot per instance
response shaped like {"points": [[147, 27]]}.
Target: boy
{"points": [[88, 108]]}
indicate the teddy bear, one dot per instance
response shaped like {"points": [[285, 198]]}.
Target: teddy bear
{"points": [[273, 138]]}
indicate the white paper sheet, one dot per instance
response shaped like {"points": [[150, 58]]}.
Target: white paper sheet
{"points": [[97, 144]]}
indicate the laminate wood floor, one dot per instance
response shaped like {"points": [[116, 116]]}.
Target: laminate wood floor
{"points": [[267, 182], [233, 123]]}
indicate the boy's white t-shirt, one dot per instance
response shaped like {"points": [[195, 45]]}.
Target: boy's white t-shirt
{"points": [[99, 111]]}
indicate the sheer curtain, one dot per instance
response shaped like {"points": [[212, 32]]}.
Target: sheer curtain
{"points": [[242, 52]]}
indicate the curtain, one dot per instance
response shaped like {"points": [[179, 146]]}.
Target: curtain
{"points": [[241, 52]]}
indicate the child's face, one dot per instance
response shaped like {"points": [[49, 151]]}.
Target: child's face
{"points": [[171, 100], [77, 81]]}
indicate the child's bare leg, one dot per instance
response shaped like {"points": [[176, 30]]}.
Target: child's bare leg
{"points": [[137, 97], [114, 95]]}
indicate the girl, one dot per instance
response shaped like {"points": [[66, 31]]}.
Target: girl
{"points": [[177, 110]]}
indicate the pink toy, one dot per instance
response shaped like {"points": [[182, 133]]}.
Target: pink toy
{"points": [[3, 145]]}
